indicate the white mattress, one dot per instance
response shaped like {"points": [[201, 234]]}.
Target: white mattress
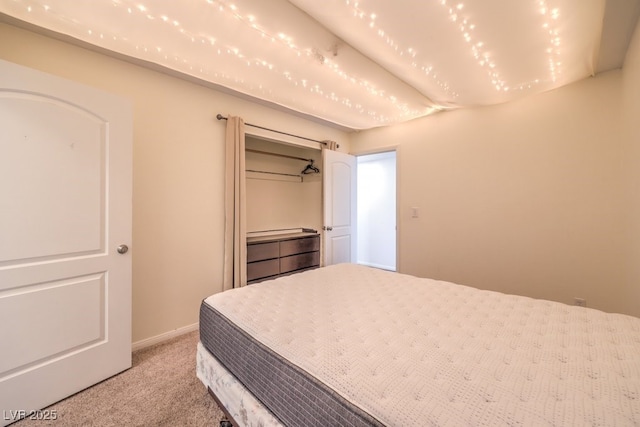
{"points": [[416, 352]]}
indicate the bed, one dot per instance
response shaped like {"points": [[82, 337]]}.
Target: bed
{"points": [[350, 345]]}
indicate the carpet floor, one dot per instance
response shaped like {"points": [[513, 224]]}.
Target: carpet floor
{"points": [[160, 389]]}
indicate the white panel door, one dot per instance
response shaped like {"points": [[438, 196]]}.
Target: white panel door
{"points": [[339, 194], [65, 208]]}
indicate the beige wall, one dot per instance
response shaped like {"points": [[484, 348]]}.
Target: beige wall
{"points": [[178, 213], [631, 111], [527, 197]]}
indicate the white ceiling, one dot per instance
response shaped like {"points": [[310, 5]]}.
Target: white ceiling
{"points": [[356, 64]]}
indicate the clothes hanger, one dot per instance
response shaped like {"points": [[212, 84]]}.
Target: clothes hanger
{"points": [[310, 169]]}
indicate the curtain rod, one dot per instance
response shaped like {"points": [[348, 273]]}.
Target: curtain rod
{"points": [[221, 117]]}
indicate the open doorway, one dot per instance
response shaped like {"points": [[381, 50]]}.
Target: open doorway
{"points": [[376, 201]]}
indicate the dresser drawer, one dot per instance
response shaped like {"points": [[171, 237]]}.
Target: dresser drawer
{"points": [[260, 251], [296, 246], [298, 262], [260, 269]]}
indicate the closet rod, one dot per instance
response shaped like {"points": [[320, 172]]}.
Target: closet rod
{"points": [[278, 155], [221, 117], [274, 173]]}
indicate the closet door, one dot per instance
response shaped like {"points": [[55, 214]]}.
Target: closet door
{"points": [[339, 195]]}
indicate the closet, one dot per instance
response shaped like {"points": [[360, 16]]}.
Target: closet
{"points": [[284, 208]]}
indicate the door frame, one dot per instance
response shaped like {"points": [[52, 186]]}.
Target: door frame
{"points": [[386, 149]]}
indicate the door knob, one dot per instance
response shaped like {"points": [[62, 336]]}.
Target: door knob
{"points": [[123, 249]]}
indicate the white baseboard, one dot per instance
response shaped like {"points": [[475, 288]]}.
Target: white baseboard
{"points": [[374, 265], [148, 342]]}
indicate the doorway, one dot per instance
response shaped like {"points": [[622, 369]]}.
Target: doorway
{"points": [[376, 209]]}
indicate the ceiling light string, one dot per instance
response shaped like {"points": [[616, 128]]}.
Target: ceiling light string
{"points": [[312, 54], [478, 49], [130, 14], [47, 9], [136, 11], [426, 69], [206, 41], [550, 16]]}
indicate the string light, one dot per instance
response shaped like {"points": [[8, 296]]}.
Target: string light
{"points": [[427, 69], [479, 50], [293, 70]]}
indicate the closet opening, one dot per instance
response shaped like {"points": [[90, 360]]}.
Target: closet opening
{"points": [[283, 208], [284, 186], [376, 210]]}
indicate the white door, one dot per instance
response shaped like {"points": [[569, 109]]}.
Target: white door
{"points": [[65, 207], [339, 194]]}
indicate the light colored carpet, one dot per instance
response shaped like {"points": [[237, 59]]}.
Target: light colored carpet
{"points": [[161, 389]]}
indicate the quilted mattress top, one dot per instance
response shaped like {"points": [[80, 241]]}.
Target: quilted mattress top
{"points": [[416, 352]]}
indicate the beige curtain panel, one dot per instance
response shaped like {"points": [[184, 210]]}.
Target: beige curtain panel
{"points": [[235, 237]]}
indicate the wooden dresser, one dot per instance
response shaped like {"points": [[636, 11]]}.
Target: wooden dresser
{"points": [[272, 256]]}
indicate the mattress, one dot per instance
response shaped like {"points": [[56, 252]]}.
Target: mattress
{"points": [[353, 345]]}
